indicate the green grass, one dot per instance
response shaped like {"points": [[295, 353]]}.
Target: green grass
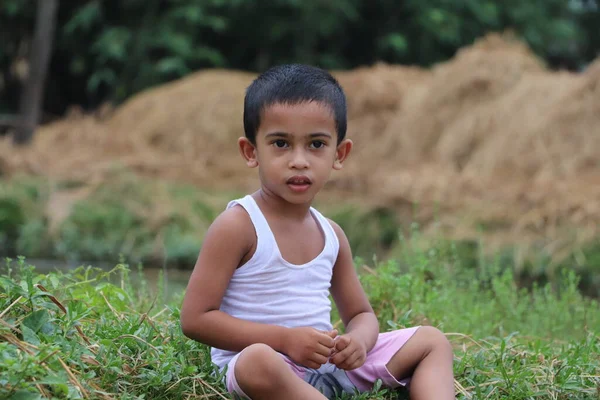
{"points": [[163, 223], [145, 220], [89, 333]]}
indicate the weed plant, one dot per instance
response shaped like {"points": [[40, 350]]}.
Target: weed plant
{"points": [[95, 334]]}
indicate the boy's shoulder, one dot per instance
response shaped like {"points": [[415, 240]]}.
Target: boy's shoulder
{"points": [[338, 229], [339, 232], [233, 222]]}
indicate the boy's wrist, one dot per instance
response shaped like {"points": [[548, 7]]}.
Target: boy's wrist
{"points": [[360, 338], [364, 328], [281, 339]]}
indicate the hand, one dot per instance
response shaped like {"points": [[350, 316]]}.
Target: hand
{"points": [[308, 346], [349, 353]]}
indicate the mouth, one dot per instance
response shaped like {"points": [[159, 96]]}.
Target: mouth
{"points": [[299, 183]]}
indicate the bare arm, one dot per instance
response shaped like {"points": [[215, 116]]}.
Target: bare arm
{"points": [[227, 241], [350, 298]]}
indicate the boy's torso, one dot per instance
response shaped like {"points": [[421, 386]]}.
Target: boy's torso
{"points": [[284, 282], [299, 242]]}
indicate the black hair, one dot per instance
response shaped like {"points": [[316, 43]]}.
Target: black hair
{"points": [[293, 84]]}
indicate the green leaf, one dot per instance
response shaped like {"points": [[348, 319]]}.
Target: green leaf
{"points": [[29, 335], [36, 320], [49, 328], [397, 42], [25, 395], [113, 44], [211, 55], [84, 18], [54, 280], [9, 285], [105, 75], [12, 7], [176, 43], [190, 14], [218, 24], [172, 65], [58, 384]]}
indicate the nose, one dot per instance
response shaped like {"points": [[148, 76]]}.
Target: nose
{"points": [[299, 160]]}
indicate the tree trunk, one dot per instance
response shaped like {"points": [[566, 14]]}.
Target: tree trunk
{"points": [[31, 100]]}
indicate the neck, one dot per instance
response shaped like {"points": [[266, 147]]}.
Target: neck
{"points": [[276, 205]]}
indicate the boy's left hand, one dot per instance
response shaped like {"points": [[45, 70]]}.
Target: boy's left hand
{"points": [[349, 353]]}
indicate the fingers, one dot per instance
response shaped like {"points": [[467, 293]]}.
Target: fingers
{"points": [[318, 359], [323, 350], [333, 333], [353, 361], [342, 342], [341, 356], [350, 359], [326, 340]]}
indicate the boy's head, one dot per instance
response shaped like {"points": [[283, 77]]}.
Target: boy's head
{"points": [[295, 128], [293, 84]]}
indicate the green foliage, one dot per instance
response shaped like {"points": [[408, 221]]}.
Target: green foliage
{"points": [[144, 221], [112, 222], [93, 323], [92, 332], [369, 232], [21, 215], [11, 217], [437, 285], [108, 50], [156, 223]]}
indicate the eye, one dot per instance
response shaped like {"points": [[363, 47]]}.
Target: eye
{"points": [[280, 144], [317, 144]]}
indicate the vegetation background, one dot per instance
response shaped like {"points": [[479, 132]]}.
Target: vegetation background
{"points": [[472, 203], [111, 49]]}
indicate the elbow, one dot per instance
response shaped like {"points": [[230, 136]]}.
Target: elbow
{"points": [[192, 327], [186, 329], [189, 326]]}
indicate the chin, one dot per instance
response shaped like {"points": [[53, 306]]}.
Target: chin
{"points": [[298, 198]]}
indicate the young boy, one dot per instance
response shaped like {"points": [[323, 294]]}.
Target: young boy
{"points": [[259, 293]]}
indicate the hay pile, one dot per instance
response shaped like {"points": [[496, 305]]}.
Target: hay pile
{"points": [[490, 135], [495, 137]]}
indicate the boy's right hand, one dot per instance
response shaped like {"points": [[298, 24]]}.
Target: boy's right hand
{"points": [[308, 346]]}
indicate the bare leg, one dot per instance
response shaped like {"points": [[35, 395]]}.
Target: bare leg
{"points": [[427, 356], [263, 374]]}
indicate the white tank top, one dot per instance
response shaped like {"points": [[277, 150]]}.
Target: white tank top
{"points": [[268, 289]]}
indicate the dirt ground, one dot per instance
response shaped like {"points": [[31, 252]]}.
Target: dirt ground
{"points": [[489, 138]]}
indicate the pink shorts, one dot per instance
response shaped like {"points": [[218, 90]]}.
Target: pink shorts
{"points": [[331, 380]]}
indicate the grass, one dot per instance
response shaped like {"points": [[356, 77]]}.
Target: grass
{"points": [[163, 223], [94, 334], [146, 220]]}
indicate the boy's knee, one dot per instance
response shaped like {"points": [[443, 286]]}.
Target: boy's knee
{"points": [[436, 339], [257, 368]]}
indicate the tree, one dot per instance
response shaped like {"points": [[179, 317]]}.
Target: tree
{"points": [[41, 49]]}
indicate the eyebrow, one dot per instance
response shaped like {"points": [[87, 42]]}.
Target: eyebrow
{"points": [[287, 135]]}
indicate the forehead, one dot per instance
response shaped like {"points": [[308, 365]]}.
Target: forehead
{"points": [[298, 118]]}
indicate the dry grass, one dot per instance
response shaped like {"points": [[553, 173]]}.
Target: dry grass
{"points": [[489, 136]]}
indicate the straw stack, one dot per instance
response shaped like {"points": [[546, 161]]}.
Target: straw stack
{"points": [[490, 136]]}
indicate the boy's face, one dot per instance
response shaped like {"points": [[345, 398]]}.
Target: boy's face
{"points": [[296, 149]]}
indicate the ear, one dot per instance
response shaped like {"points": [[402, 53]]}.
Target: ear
{"points": [[341, 153], [248, 151]]}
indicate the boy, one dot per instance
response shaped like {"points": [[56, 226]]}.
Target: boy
{"points": [[259, 293]]}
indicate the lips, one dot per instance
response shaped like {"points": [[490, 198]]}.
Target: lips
{"points": [[299, 183], [299, 180]]}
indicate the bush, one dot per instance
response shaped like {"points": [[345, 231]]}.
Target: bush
{"points": [[108, 50], [91, 333]]}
